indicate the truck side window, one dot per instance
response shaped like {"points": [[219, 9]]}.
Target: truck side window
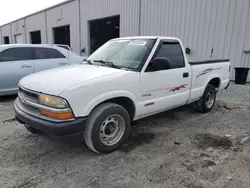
{"points": [[173, 52]]}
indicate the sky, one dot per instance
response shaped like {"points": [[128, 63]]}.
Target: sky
{"points": [[15, 9]]}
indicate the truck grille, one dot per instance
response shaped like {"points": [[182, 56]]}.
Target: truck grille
{"points": [[29, 95], [25, 95]]}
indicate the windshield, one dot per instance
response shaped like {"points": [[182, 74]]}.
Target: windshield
{"points": [[124, 53]]}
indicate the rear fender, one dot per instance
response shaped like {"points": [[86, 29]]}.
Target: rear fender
{"points": [[211, 78]]}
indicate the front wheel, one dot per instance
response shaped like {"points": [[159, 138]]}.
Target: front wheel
{"points": [[107, 127], [206, 102]]}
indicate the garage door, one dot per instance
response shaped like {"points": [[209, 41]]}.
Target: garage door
{"points": [[18, 39]]}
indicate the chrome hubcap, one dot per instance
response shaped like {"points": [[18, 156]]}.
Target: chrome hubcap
{"points": [[210, 99], [112, 130]]}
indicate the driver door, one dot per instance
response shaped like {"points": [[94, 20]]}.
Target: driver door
{"points": [[166, 88]]}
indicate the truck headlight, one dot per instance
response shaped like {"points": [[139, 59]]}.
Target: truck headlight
{"points": [[57, 107], [51, 101]]}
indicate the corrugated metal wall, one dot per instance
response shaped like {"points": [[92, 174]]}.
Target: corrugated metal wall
{"points": [[202, 25], [95, 9], [6, 32], [18, 28], [66, 14], [1, 36], [221, 26], [35, 23]]}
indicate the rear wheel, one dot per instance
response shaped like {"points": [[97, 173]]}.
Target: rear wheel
{"points": [[107, 127], [206, 102]]}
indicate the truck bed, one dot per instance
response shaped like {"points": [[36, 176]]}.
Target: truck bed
{"points": [[205, 71]]}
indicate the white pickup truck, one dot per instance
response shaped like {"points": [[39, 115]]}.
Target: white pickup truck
{"points": [[124, 80]]}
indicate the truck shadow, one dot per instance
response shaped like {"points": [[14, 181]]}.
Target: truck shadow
{"points": [[29, 149], [142, 131]]}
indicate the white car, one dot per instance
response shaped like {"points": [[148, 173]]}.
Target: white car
{"points": [[127, 79], [17, 61], [62, 46]]}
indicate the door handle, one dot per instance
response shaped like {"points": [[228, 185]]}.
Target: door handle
{"points": [[62, 63], [25, 66], [185, 75]]}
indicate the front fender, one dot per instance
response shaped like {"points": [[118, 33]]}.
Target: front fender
{"points": [[107, 96]]}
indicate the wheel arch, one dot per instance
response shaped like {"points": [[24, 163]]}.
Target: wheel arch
{"points": [[123, 98], [214, 80]]}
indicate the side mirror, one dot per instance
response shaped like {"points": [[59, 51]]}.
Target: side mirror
{"points": [[159, 63], [188, 50], [83, 50]]}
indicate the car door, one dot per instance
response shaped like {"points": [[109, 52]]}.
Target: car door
{"points": [[48, 58], [169, 87], [15, 63]]}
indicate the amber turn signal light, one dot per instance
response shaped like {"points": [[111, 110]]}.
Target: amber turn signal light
{"points": [[60, 116]]}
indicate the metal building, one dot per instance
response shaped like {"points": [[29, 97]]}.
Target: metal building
{"points": [[210, 28]]}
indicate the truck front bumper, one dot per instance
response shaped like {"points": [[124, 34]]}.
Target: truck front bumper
{"points": [[59, 129]]}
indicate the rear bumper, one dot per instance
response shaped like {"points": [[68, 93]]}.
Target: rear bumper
{"points": [[60, 129]]}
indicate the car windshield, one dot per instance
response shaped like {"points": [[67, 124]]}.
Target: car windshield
{"points": [[124, 53]]}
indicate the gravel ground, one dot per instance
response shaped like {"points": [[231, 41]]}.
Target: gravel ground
{"points": [[236, 94], [176, 149]]}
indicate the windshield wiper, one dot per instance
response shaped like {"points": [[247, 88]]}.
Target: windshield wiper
{"points": [[109, 63], [87, 61]]}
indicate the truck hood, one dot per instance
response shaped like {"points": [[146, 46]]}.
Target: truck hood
{"points": [[54, 81]]}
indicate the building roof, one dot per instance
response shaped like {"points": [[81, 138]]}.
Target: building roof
{"points": [[40, 11]]}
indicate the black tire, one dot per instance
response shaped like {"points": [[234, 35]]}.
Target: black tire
{"points": [[201, 105], [95, 122], [31, 129]]}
